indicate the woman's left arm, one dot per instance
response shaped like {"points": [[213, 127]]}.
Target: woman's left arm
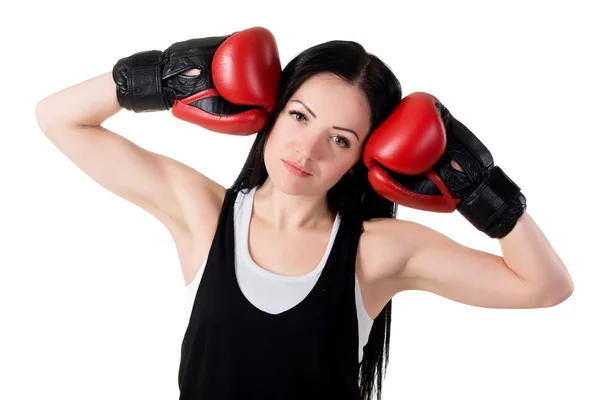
{"points": [[528, 253], [529, 274], [422, 157]]}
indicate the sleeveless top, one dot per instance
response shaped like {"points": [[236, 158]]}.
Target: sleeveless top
{"points": [[237, 346], [271, 292]]}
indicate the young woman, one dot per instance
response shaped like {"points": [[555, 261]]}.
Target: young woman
{"points": [[303, 256]]}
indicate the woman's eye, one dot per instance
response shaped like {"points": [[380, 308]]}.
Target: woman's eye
{"points": [[298, 116], [339, 140], [342, 141]]}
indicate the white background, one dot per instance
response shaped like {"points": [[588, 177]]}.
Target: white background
{"points": [[90, 285]]}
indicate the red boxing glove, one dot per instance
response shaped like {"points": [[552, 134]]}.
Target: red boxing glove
{"points": [[235, 91], [409, 160], [245, 72], [408, 142]]}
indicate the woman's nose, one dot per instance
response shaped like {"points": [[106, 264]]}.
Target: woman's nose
{"points": [[310, 145]]}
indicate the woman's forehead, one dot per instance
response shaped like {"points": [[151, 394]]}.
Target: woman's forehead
{"points": [[329, 96]]}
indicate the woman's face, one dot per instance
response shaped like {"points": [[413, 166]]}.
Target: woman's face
{"points": [[322, 129]]}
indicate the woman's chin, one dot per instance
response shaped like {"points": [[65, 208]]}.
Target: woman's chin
{"points": [[295, 186]]}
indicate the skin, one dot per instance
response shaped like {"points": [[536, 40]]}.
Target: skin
{"points": [[307, 133]]}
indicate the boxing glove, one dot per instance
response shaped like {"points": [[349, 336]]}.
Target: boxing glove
{"points": [[409, 159], [234, 92]]}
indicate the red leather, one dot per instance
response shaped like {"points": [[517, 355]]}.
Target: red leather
{"points": [[246, 71], [409, 142]]}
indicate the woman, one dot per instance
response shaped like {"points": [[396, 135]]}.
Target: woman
{"points": [[303, 256]]}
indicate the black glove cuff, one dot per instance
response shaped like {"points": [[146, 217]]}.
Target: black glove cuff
{"points": [[495, 206], [139, 82]]}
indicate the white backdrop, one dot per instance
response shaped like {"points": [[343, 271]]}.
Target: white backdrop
{"points": [[90, 285]]}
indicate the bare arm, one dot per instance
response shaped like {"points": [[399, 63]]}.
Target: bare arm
{"points": [[176, 194], [72, 118], [529, 274], [88, 103]]}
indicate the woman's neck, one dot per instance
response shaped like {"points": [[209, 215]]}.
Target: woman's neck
{"points": [[286, 212]]}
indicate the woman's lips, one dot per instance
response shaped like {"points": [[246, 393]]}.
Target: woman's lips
{"points": [[295, 169]]}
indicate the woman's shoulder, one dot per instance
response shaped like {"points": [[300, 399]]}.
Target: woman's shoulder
{"points": [[383, 234], [384, 245]]}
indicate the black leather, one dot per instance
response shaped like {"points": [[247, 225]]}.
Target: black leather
{"points": [[152, 80], [489, 199]]}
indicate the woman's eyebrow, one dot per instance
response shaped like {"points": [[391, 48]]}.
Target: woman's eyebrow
{"points": [[305, 106]]}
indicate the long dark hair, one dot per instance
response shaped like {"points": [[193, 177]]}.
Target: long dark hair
{"points": [[353, 193]]}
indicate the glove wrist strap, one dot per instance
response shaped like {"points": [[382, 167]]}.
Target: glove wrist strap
{"points": [[495, 206], [139, 82]]}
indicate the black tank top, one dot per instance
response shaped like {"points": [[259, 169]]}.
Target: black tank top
{"points": [[233, 350]]}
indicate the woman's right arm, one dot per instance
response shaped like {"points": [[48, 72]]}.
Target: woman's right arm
{"points": [[181, 198]]}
